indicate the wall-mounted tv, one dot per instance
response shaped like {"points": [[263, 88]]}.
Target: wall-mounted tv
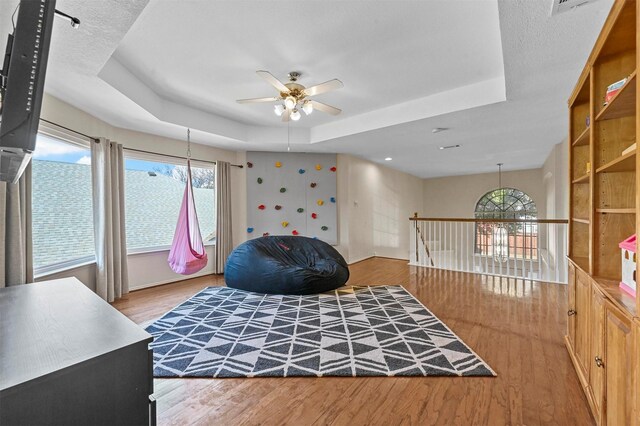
{"points": [[22, 84]]}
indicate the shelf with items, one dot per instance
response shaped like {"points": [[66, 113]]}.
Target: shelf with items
{"points": [[609, 231], [622, 300], [623, 104]]}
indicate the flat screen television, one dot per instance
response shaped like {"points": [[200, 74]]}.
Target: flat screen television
{"points": [[22, 84]]}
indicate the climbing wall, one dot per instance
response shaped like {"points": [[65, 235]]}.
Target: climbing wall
{"points": [[292, 194]]}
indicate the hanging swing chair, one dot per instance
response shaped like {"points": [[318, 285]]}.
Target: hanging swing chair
{"points": [[187, 255]]}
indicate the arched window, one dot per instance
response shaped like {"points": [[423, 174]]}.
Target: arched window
{"points": [[506, 240]]}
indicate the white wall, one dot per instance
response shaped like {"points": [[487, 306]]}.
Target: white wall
{"points": [[456, 196], [147, 268], [374, 206], [555, 174]]}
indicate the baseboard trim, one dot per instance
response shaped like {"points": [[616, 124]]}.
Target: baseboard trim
{"points": [[362, 259], [169, 281]]}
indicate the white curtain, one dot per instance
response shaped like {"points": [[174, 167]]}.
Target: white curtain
{"points": [[16, 249], [107, 175], [224, 236]]}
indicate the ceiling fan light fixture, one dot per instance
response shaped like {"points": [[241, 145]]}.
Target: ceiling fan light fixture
{"points": [[290, 102], [295, 115], [307, 107], [278, 109]]}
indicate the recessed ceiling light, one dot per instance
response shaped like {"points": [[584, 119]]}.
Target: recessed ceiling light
{"points": [[388, 159], [450, 146], [439, 129]]}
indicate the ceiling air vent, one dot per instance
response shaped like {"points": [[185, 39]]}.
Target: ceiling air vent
{"points": [[559, 6]]}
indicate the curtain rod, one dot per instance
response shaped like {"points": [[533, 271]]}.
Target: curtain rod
{"points": [[176, 156], [133, 149], [71, 130]]}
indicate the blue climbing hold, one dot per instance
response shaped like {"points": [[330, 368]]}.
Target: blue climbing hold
{"points": [[249, 230], [333, 199], [301, 171]]}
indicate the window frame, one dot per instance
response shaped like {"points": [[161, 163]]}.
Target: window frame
{"points": [[59, 133], [166, 159], [478, 247]]}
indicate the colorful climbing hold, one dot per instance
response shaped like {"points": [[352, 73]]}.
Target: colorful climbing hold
{"points": [[249, 230], [260, 180], [266, 234], [249, 164], [285, 223], [318, 167], [333, 199], [301, 171], [300, 210], [324, 228], [278, 164], [314, 215], [283, 190], [313, 184], [295, 232], [320, 202], [333, 169], [261, 207], [278, 207]]}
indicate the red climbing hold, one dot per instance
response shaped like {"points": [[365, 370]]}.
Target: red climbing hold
{"points": [[261, 207], [314, 215], [333, 169]]}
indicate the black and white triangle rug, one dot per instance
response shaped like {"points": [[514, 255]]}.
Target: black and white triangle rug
{"points": [[353, 331]]}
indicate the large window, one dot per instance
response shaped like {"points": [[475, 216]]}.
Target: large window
{"points": [[154, 191], [61, 203], [515, 239]]}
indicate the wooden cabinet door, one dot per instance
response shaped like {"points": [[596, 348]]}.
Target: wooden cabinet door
{"points": [[618, 364], [583, 308], [597, 375], [571, 305]]}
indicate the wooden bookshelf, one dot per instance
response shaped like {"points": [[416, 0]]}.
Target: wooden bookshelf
{"points": [[603, 206]]}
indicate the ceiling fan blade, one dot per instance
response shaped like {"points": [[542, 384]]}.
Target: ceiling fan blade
{"points": [[280, 87], [257, 100], [286, 114], [327, 86], [325, 108]]}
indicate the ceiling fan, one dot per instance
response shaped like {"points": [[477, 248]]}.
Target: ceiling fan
{"points": [[294, 96]]}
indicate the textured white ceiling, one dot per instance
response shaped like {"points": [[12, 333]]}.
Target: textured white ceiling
{"points": [[408, 66]]}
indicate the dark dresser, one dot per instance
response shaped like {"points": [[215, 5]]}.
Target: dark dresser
{"points": [[67, 357]]}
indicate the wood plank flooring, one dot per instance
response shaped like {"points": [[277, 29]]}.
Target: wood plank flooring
{"points": [[515, 326]]}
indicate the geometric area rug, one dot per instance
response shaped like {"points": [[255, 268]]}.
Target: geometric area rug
{"points": [[353, 331]]}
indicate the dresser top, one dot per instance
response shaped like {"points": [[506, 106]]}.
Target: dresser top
{"points": [[51, 325]]}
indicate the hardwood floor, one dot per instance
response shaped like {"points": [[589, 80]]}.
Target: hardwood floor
{"points": [[515, 326]]}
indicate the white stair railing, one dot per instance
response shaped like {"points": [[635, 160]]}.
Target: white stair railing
{"points": [[527, 249]]}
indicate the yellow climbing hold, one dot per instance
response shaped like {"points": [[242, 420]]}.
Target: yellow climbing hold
{"points": [[318, 166], [285, 224], [320, 202], [278, 164]]}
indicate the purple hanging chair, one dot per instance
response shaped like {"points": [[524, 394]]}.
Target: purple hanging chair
{"points": [[187, 255]]}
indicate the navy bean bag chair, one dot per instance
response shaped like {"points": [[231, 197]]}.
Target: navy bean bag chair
{"points": [[285, 265]]}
